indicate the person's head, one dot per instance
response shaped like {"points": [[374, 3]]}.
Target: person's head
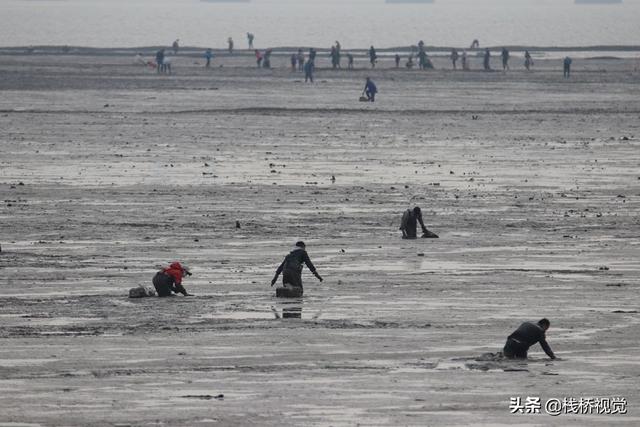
{"points": [[368, 78], [177, 266], [300, 244], [544, 323], [417, 210]]}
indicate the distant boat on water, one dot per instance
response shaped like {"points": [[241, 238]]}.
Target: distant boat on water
{"points": [[598, 1]]}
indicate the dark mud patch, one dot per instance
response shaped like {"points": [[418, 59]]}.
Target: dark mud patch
{"points": [[203, 396]]}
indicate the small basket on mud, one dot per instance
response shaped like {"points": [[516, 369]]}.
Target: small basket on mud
{"points": [[364, 99], [141, 292]]}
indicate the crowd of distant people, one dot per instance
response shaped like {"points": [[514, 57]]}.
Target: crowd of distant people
{"points": [[417, 57]]}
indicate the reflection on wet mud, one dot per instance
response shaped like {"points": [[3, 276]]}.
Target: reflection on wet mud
{"points": [[290, 310]]}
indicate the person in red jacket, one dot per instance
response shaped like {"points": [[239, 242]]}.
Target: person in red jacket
{"points": [[169, 280]]}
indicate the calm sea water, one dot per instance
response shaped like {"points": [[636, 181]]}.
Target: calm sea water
{"points": [[356, 23]]}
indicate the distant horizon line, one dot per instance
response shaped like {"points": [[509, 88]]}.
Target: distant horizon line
{"points": [[595, 48]]}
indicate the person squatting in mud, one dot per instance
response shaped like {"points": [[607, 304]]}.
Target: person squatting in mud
{"points": [[291, 269], [409, 224], [370, 90], [525, 336], [169, 280]]}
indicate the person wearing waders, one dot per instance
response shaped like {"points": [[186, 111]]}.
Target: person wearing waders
{"points": [[567, 67], [230, 45], [169, 280], [159, 60], [370, 90], [487, 60], [505, 59], [422, 59], [465, 61], [373, 57], [409, 225], [208, 55], [291, 269], [454, 58], [525, 336], [528, 61], [334, 57], [308, 71]]}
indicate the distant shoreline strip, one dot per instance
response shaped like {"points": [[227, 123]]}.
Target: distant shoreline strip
{"points": [[76, 50], [297, 111]]}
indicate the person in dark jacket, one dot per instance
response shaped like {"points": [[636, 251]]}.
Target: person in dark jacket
{"points": [[454, 58], [525, 336], [528, 61], [505, 59], [291, 268], [409, 224], [169, 280], [373, 57], [487, 60], [309, 67], [422, 59], [159, 60], [567, 67], [370, 90]]}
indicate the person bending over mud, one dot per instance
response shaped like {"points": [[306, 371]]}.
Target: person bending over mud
{"points": [[291, 269], [409, 224], [169, 280], [370, 90], [525, 336]]}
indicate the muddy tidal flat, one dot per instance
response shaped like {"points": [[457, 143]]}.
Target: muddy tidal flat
{"points": [[108, 171]]}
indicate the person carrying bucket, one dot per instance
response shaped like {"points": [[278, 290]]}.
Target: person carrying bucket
{"points": [[291, 269]]}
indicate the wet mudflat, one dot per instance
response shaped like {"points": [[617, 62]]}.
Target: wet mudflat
{"points": [[108, 170]]}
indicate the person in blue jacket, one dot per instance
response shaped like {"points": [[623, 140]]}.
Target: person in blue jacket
{"points": [[370, 90], [309, 67]]}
